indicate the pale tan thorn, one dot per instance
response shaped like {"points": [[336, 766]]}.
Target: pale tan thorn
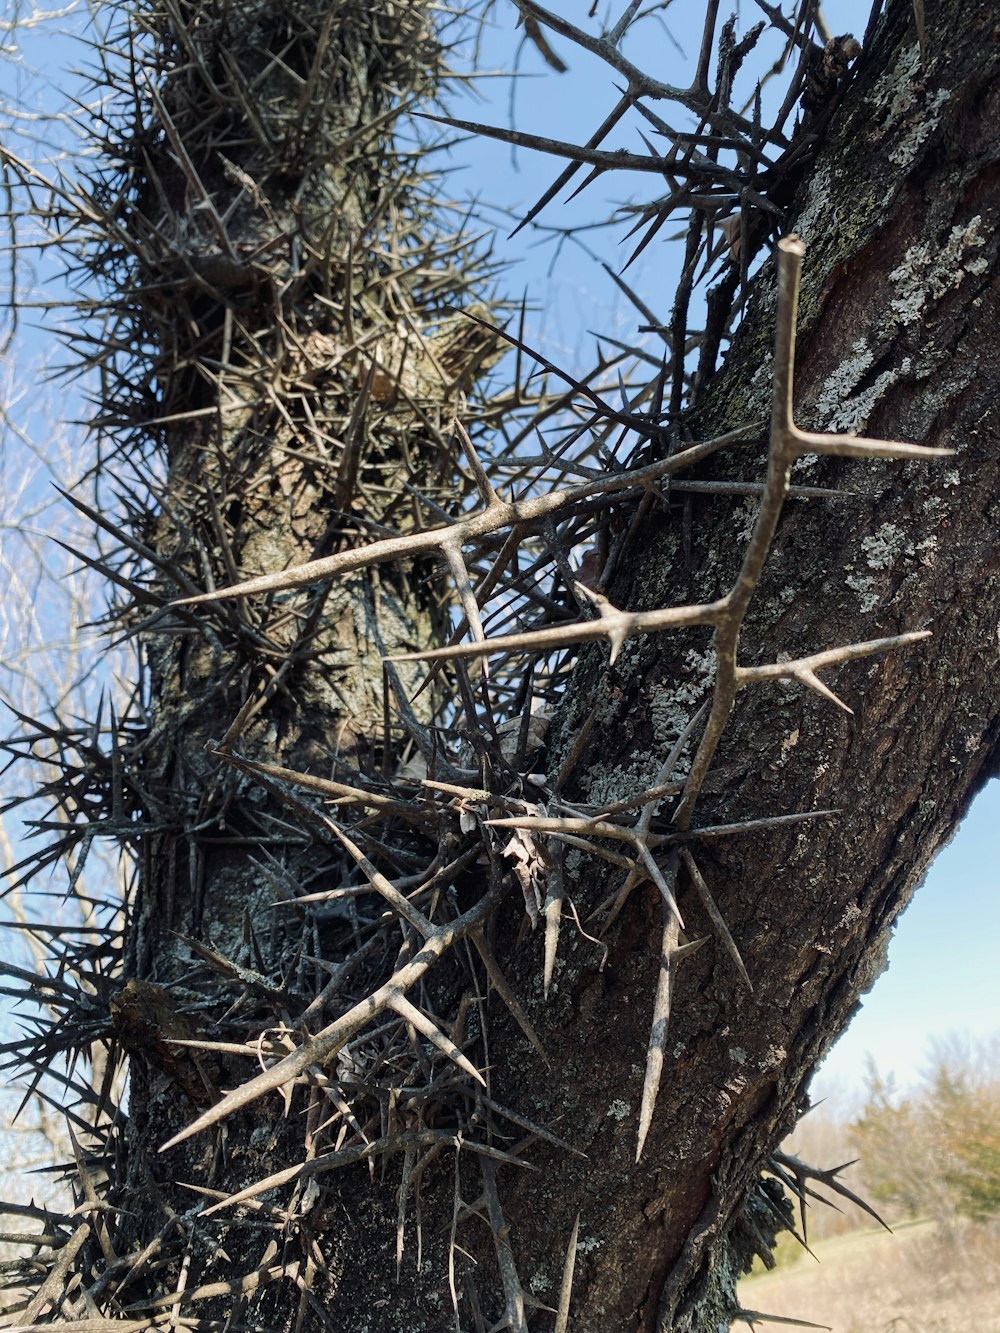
{"points": [[477, 525], [592, 849], [409, 1158], [651, 796], [691, 947], [456, 1208], [335, 790], [502, 988], [252, 1050], [332, 1093], [812, 682], [479, 795], [566, 1286], [274, 1181], [331, 1161], [552, 911], [656, 875], [791, 250], [852, 446], [264, 1274], [803, 669], [350, 1156], [483, 590], [616, 639], [411, 1014], [466, 595], [618, 622], [58, 1276], [483, 483], [787, 442], [594, 828], [399, 903], [715, 916], [658, 1032], [616, 626]]}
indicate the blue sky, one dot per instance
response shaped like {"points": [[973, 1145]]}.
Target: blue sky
{"points": [[943, 975]]}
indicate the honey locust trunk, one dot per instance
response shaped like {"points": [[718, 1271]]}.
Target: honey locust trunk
{"points": [[397, 1129], [283, 379], [898, 339]]}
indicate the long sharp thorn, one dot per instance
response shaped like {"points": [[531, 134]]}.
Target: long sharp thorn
{"points": [[566, 1288], [658, 1033], [411, 1014]]}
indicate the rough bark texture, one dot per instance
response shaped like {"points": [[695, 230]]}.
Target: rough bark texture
{"points": [[898, 338], [307, 385]]}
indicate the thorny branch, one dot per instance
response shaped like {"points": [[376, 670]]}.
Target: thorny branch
{"points": [[315, 342], [787, 443]]}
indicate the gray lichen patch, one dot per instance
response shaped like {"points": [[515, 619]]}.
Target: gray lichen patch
{"points": [[921, 124], [670, 707], [744, 518], [898, 118], [819, 192], [883, 550], [928, 271], [540, 1282], [759, 396], [926, 274], [619, 782], [842, 405]]}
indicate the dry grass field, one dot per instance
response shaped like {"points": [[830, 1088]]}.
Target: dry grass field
{"points": [[914, 1281]]}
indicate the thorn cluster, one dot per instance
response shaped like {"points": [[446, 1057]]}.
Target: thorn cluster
{"points": [[323, 509]]}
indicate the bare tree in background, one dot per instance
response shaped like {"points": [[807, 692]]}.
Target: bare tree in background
{"points": [[468, 998]]}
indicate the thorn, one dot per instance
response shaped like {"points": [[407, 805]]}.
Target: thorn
{"points": [[566, 1287], [658, 1032], [753, 1316]]}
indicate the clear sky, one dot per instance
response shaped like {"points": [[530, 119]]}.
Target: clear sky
{"points": [[943, 974]]}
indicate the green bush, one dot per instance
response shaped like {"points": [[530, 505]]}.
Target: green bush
{"points": [[936, 1150]]}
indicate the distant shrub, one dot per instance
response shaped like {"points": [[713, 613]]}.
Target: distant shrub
{"points": [[970, 1140], [936, 1150]]}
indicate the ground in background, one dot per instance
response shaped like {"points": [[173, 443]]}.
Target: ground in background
{"points": [[914, 1281]]}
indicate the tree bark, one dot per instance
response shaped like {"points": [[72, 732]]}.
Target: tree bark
{"points": [[288, 266], [297, 294], [897, 340]]}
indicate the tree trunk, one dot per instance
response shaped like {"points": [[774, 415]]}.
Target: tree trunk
{"points": [[282, 257], [897, 340]]}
